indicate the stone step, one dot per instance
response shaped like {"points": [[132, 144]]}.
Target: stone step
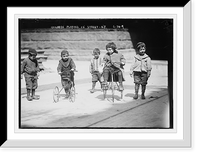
{"points": [[76, 45], [76, 36]]}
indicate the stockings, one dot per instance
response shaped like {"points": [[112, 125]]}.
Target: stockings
{"points": [[137, 86]]}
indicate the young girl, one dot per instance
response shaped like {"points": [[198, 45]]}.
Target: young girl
{"points": [[140, 69], [30, 69]]}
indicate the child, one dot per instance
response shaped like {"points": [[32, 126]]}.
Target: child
{"points": [[66, 68], [95, 68], [30, 69], [113, 61], [140, 69]]}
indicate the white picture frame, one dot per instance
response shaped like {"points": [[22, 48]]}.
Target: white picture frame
{"points": [[180, 137]]}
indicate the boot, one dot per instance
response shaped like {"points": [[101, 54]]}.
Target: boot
{"points": [[136, 91], [34, 96], [143, 91], [93, 86], [29, 98]]}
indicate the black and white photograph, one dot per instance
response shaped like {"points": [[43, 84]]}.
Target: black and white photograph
{"points": [[99, 77], [101, 73]]}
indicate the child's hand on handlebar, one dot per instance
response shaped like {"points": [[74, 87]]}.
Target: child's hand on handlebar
{"points": [[122, 63], [74, 70]]}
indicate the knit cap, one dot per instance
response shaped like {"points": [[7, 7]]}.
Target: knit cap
{"points": [[32, 51], [64, 52]]}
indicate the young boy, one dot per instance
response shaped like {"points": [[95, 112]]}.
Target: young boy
{"points": [[113, 60], [66, 68], [95, 68], [140, 69], [30, 69]]}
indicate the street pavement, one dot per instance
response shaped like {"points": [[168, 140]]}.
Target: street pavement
{"points": [[89, 109]]}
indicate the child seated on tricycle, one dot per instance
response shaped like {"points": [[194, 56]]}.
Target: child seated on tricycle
{"points": [[66, 68], [113, 64]]}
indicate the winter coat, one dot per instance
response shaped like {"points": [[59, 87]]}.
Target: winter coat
{"points": [[29, 67], [67, 65], [115, 59]]}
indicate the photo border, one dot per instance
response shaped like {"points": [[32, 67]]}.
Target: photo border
{"points": [[83, 141], [172, 118]]}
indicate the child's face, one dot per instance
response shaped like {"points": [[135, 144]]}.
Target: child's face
{"points": [[96, 56], [32, 57], [142, 50], [110, 50], [65, 56]]}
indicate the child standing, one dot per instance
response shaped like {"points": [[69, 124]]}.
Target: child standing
{"points": [[30, 69], [66, 68], [140, 69], [95, 68]]}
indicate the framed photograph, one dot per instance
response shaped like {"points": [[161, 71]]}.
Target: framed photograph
{"points": [[99, 77]]}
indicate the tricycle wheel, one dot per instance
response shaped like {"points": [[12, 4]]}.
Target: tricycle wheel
{"points": [[56, 94], [72, 95]]}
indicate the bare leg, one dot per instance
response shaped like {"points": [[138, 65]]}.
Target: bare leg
{"points": [[93, 86]]}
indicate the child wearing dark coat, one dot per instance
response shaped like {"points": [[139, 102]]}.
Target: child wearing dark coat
{"points": [[66, 68], [140, 69], [30, 69]]}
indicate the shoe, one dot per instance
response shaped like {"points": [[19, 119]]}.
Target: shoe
{"points": [[34, 97], [92, 91], [143, 97], [29, 98], [135, 96]]}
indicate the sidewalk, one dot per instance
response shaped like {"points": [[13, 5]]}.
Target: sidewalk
{"points": [[90, 110]]}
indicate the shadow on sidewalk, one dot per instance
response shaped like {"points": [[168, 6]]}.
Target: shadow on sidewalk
{"points": [[149, 94]]}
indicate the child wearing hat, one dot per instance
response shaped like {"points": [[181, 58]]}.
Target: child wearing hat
{"points": [[115, 61], [30, 69], [140, 69], [66, 68], [95, 68]]}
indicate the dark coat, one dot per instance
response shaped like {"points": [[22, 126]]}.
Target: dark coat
{"points": [[29, 67]]}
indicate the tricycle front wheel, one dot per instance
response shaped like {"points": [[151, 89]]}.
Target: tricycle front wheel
{"points": [[72, 95], [56, 94]]}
